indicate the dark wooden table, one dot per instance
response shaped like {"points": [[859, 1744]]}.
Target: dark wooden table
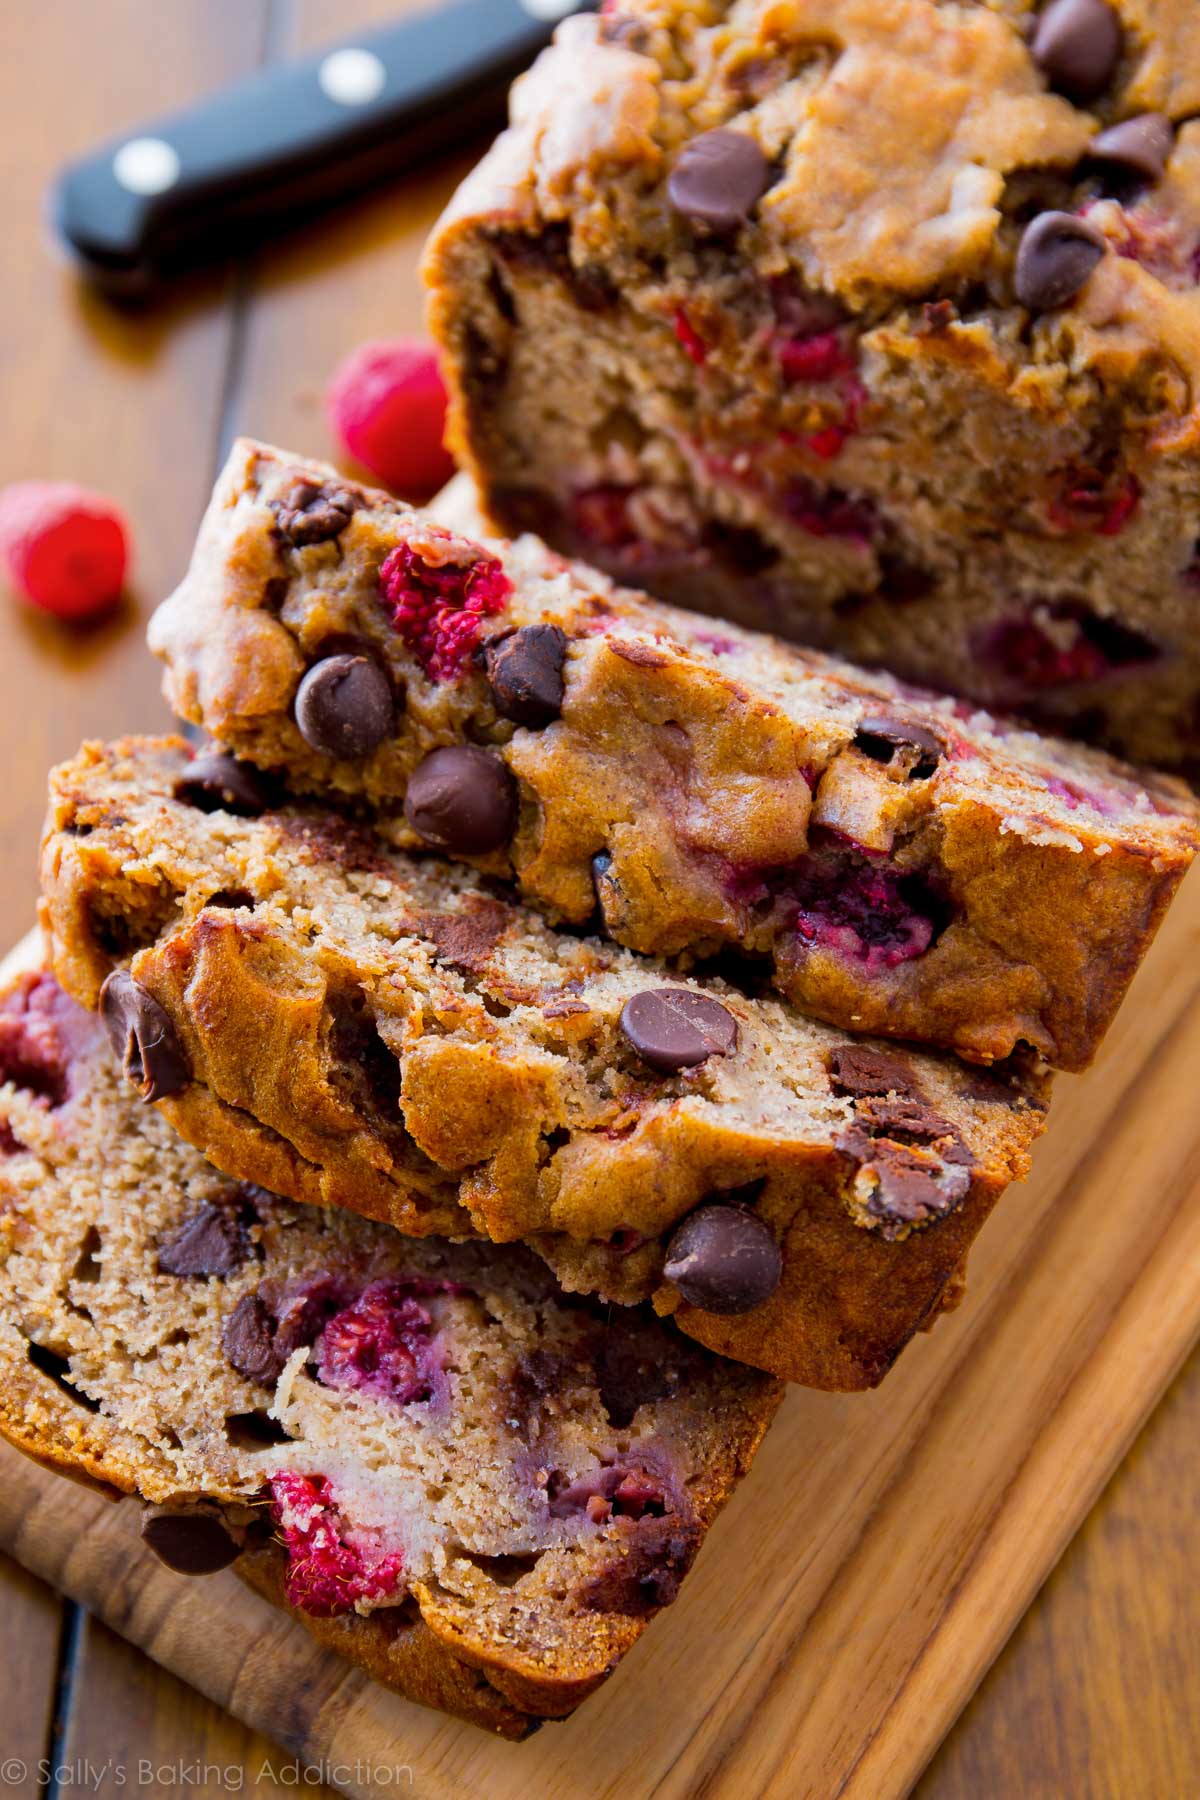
{"points": [[1097, 1693]]}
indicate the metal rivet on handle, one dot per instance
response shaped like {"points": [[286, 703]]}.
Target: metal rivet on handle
{"points": [[147, 165], [352, 77]]}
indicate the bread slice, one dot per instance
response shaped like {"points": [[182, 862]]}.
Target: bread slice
{"points": [[904, 865], [349, 1025], [475, 1487]]}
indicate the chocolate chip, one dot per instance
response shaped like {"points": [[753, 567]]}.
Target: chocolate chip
{"points": [[309, 513], [249, 1341], [1058, 253], [903, 1114], [1076, 44], [858, 1070], [881, 735], [191, 1543], [1142, 145], [673, 1028], [719, 178], [909, 1191], [724, 1259], [344, 707], [143, 1037], [212, 1241], [213, 781], [525, 670], [462, 799]]}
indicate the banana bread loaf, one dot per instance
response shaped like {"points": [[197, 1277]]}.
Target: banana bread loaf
{"points": [[476, 1488], [348, 1025], [908, 867], [870, 322]]}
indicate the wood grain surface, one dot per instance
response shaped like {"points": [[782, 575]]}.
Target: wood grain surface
{"points": [[1096, 1695]]}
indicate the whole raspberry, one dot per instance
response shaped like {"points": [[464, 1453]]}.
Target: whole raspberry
{"points": [[63, 549], [439, 607], [330, 1569], [379, 1343], [387, 404]]}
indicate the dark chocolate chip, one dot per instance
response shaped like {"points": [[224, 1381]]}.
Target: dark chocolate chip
{"points": [[882, 734], [462, 799], [309, 513], [191, 1543], [858, 1070], [525, 670], [1142, 145], [212, 1241], [1058, 252], [673, 1029], [908, 1191], [724, 1259], [249, 1341], [344, 707], [719, 178], [1077, 44], [903, 1114], [143, 1037], [213, 781]]}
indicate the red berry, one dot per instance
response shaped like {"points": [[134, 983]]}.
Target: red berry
{"points": [[62, 548], [387, 404]]}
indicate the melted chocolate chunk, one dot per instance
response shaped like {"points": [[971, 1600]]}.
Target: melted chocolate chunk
{"points": [[213, 1241], [143, 1038], [631, 1373], [673, 1029], [881, 735], [191, 1543], [249, 1342], [857, 1069], [311, 513], [525, 672], [215, 782]]}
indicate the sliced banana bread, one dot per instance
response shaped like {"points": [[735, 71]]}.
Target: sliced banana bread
{"points": [[909, 867], [475, 1487], [352, 1026]]}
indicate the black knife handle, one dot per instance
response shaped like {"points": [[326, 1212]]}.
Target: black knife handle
{"points": [[271, 151]]}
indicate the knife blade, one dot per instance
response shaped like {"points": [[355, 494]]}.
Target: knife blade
{"points": [[270, 152]]}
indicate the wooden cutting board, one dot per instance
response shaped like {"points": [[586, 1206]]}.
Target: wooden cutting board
{"points": [[862, 1580]]}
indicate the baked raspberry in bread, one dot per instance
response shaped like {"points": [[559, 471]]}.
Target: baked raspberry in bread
{"points": [[907, 866], [476, 1488], [873, 324], [351, 1026]]}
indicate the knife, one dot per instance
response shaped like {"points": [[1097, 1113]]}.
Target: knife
{"points": [[293, 140]]}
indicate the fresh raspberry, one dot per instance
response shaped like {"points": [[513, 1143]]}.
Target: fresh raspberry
{"points": [[438, 608], [387, 404], [328, 1571], [378, 1344], [63, 549]]}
